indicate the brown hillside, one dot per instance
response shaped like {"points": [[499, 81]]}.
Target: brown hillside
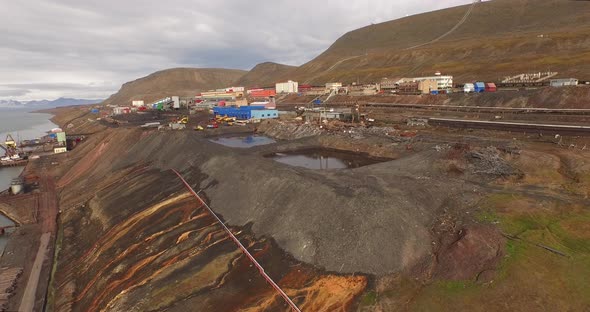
{"points": [[265, 74], [176, 81], [499, 38]]}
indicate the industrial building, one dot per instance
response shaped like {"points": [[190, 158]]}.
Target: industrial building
{"points": [[442, 82], [564, 82], [262, 93], [220, 95], [388, 84], [235, 89], [333, 86], [287, 87], [246, 112], [121, 110]]}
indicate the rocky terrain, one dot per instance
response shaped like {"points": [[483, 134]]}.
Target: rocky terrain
{"points": [[471, 218]]}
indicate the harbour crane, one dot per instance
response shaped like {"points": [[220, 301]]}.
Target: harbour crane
{"points": [[10, 147]]}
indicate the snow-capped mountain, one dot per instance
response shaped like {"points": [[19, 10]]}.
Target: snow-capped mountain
{"points": [[46, 103]]}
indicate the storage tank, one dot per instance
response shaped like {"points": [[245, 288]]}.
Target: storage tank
{"points": [[16, 187]]}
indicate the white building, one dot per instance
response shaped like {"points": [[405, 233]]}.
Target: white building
{"points": [[444, 82], [468, 88], [333, 86], [59, 150], [235, 89], [287, 87], [176, 101], [137, 103], [564, 82]]}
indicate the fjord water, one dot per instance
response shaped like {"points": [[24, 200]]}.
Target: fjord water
{"points": [[22, 124]]}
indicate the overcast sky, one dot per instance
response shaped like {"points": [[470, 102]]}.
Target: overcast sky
{"points": [[87, 49]]}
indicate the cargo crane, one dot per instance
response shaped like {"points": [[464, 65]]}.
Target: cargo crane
{"points": [[10, 149]]}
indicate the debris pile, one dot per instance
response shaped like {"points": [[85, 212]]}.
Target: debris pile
{"points": [[283, 130], [488, 161], [8, 277]]}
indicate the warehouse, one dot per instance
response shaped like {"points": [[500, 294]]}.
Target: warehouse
{"points": [[333, 86], [261, 93], [246, 112], [287, 87], [443, 82]]}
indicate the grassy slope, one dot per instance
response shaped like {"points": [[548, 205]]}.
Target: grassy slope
{"points": [[176, 81], [500, 38], [531, 278]]}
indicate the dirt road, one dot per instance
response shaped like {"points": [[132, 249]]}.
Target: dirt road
{"points": [[28, 301]]}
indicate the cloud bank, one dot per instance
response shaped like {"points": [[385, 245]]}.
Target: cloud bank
{"points": [[87, 49]]}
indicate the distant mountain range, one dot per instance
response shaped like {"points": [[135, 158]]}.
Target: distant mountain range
{"points": [[46, 103]]}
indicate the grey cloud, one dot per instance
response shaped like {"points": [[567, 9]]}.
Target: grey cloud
{"points": [[91, 47], [14, 92]]}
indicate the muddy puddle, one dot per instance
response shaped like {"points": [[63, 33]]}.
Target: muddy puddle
{"points": [[325, 159], [244, 141]]}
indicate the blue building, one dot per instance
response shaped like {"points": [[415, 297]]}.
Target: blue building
{"points": [[480, 87], [246, 112], [264, 114]]}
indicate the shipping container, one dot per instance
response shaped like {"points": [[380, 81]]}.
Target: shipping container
{"points": [[480, 87], [491, 87]]}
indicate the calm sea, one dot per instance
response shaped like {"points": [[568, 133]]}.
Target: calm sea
{"points": [[23, 125]]}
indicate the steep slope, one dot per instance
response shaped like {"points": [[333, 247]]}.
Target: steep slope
{"points": [[498, 38], [176, 81], [265, 74]]}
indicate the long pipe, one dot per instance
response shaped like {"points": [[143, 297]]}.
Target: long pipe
{"points": [[244, 250]]}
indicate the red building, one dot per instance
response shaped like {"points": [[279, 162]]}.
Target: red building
{"points": [[262, 93], [491, 87]]}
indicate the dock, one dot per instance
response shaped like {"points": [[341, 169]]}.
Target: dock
{"points": [[16, 163]]}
